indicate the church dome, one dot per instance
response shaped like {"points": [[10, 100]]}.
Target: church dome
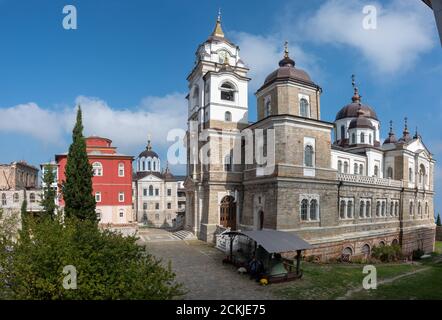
{"points": [[148, 152], [351, 111], [361, 122]]}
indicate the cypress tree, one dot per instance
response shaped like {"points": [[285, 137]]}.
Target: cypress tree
{"points": [[77, 189], [48, 197], [438, 223]]}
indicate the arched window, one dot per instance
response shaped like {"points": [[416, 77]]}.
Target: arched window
{"points": [[97, 169], [356, 168], [149, 165], [268, 107], [32, 197], [353, 138], [370, 138], [392, 209], [304, 108], [362, 137], [150, 190], [368, 209], [383, 208], [411, 208], [345, 167], [422, 174], [419, 209], [143, 165], [154, 165], [228, 116], [426, 209], [395, 242], [308, 156], [362, 209], [410, 174], [227, 92], [342, 132], [396, 209], [313, 209], [121, 169], [361, 169], [376, 171], [381, 244], [390, 173], [304, 208], [378, 209], [350, 209], [342, 209], [340, 166], [365, 250], [4, 202]]}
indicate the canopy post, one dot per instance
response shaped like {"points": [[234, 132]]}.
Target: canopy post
{"points": [[231, 247], [298, 261]]}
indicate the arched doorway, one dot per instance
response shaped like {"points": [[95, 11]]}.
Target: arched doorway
{"points": [[228, 212], [261, 219]]}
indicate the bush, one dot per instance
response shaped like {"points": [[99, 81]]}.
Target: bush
{"points": [[417, 254], [387, 253], [109, 266]]}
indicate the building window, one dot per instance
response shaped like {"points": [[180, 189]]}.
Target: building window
{"points": [[228, 116], [353, 138], [304, 108], [342, 209], [143, 166], [342, 132], [419, 209], [144, 205], [355, 168], [392, 209], [169, 192], [368, 209], [340, 166], [228, 163], [157, 206], [304, 208], [151, 191], [227, 92], [16, 198], [145, 192], [370, 138], [154, 165], [121, 213], [268, 108], [121, 169], [378, 209], [98, 213], [149, 166], [97, 169], [376, 171], [4, 202], [362, 209], [169, 205], [383, 208], [362, 137], [422, 174], [350, 209], [361, 169], [121, 197], [411, 208], [313, 209], [410, 174], [345, 167], [32, 197], [366, 250], [396, 209], [390, 173], [157, 192], [97, 196], [308, 156]]}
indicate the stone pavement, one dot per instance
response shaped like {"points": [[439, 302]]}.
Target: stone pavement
{"points": [[199, 267]]}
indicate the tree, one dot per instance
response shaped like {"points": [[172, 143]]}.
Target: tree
{"points": [[438, 222], [49, 194], [77, 189], [106, 264]]}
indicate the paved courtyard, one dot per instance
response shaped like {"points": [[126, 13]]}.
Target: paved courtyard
{"points": [[198, 266]]}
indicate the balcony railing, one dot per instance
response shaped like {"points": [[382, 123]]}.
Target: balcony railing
{"points": [[369, 180]]}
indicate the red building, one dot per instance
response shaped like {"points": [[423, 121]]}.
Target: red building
{"points": [[112, 180]]}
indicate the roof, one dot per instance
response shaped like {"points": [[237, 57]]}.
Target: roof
{"points": [[274, 241], [361, 122], [351, 111]]}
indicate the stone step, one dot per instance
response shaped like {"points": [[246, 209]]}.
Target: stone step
{"points": [[184, 235]]}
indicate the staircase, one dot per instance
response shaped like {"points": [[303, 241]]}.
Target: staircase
{"points": [[184, 235]]}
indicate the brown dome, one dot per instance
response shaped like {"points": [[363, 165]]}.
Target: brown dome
{"points": [[361, 122], [351, 111], [288, 72]]}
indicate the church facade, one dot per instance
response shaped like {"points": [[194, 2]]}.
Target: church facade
{"points": [[343, 195]]}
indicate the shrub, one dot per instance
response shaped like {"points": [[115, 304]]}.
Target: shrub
{"points": [[387, 253]]}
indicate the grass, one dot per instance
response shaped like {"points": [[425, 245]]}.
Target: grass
{"points": [[331, 281], [438, 247]]}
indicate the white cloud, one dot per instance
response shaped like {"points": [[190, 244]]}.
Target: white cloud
{"points": [[405, 30], [128, 128]]}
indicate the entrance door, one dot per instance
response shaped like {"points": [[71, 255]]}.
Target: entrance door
{"points": [[228, 213]]}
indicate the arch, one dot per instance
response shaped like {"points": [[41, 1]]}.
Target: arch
{"points": [[347, 252], [395, 242], [422, 174], [304, 210], [304, 108], [308, 156], [227, 91], [228, 116], [97, 169], [149, 165], [366, 250], [314, 209], [381, 243], [419, 209], [426, 209], [228, 212]]}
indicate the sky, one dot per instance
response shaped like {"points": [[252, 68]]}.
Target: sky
{"points": [[127, 63]]}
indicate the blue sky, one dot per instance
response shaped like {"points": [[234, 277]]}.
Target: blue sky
{"points": [[128, 60]]}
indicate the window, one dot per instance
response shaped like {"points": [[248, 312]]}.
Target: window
{"points": [[157, 216], [150, 190], [350, 209], [362, 137], [376, 171], [370, 138], [169, 192], [157, 192], [121, 213], [304, 108], [392, 209], [308, 156], [390, 173], [97, 169], [143, 165], [411, 208], [227, 92], [145, 192], [4, 202], [419, 209], [383, 208], [97, 196], [144, 205], [368, 209], [16, 198], [121, 197], [149, 166], [345, 167], [157, 206], [304, 208], [340, 166], [342, 209], [268, 108], [410, 174], [121, 169], [169, 205], [365, 250], [228, 163], [228, 116], [361, 209], [32, 197], [426, 209], [378, 209], [355, 168], [422, 174], [396, 209], [342, 132], [154, 163], [98, 212], [353, 138], [313, 209], [361, 169]]}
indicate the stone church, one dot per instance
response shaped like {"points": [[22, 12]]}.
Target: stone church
{"points": [[344, 195]]}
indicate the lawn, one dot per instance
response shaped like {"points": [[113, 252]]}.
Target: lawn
{"points": [[438, 247]]}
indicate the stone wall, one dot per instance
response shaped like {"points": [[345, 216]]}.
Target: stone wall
{"points": [[439, 233]]}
